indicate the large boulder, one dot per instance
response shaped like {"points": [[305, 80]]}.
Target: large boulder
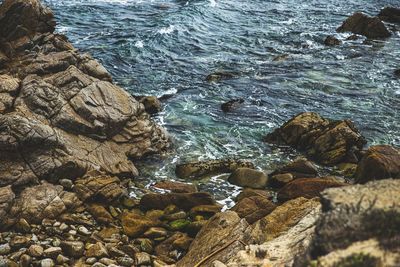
{"points": [[307, 187], [368, 213], [371, 27], [7, 197], [60, 114], [101, 188], [379, 162], [299, 168], [326, 141], [390, 14], [184, 201], [202, 168], [253, 208], [223, 233]]}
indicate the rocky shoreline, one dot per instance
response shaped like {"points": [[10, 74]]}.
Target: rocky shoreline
{"points": [[69, 140]]}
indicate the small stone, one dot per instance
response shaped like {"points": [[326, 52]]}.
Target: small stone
{"points": [[47, 263], [129, 202], [72, 232], [97, 250], [114, 212], [56, 242], [145, 245], [98, 264], [332, 41], [67, 184], [23, 226], [63, 227], [36, 251], [179, 225], [61, 259], [205, 210], [83, 230], [155, 232], [25, 260], [171, 209], [5, 249], [56, 224], [48, 222], [91, 260], [18, 242], [279, 180], [107, 261], [73, 249], [52, 252], [154, 215], [125, 261], [175, 216], [142, 258]]}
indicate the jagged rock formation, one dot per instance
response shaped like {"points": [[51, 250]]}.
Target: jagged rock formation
{"points": [[60, 114]]}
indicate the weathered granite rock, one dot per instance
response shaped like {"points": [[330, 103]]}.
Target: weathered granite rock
{"points": [[299, 168], [307, 187], [379, 162], [225, 229], [390, 14], [42, 201], [247, 177], [325, 141], [253, 208], [184, 201], [202, 168], [60, 115], [134, 224], [358, 213], [282, 218], [359, 23], [282, 250], [104, 188]]}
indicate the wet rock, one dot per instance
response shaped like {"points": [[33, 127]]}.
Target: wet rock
{"points": [[74, 249], [332, 41], [221, 75], [253, 208], [183, 242], [174, 216], [390, 14], [283, 218], [135, 225], [176, 187], [205, 210], [178, 225], [307, 187], [151, 104], [223, 230], [379, 162], [347, 169], [358, 213], [397, 73], [194, 227], [246, 177], [231, 105], [279, 180], [183, 201], [97, 250], [299, 168], [166, 247], [202, 168], [326, 141], [25, 261], [7, 197], [352, 37], [280, 58], [359, 23], [155, 232], [52, 252], [36, 251], [142, 258], [18, 241]]}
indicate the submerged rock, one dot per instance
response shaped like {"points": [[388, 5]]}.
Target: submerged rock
{"points": [[325, 141], [379, 162], [390, 14], [332, 41], [176, 187], [221, 75], [231, 105], [307, 187], [247, 177], [202, 168], [371, 27]]}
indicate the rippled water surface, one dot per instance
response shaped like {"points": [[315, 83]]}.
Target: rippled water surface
{"points": [[169, 47]]}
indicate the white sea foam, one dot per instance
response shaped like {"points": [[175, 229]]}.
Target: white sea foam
{"points": [[167, 30], [213, 3], [139, 44]]}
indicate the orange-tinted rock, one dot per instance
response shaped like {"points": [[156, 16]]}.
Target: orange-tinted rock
{"points": [[135, 225], [253, 208], [307, 187], [379, 162]]}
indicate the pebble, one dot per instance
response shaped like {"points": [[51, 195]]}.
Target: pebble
{"points": [[25, 260], [61, 259], [5, 249], [23, 226], [67, 184], [91, 260], [142, 258], [36, 251], [47, 263], [56, 224], [107, 261], [63, 227], [98, 264], [72, 232], [126, 261], [83, 230], [52, 252]]}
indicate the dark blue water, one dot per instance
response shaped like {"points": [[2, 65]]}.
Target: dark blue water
{"points": [[169, 47]]}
